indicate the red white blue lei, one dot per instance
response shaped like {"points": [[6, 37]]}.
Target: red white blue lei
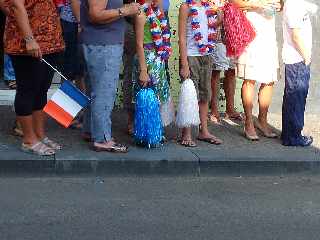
{"points": [[160, 34], [205, 47]]}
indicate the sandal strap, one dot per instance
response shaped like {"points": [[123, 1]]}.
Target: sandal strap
{"points": [[51, 143], [38, 148]]}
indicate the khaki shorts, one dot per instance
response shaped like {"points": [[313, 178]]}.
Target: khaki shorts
{"points": [[201, 72]]}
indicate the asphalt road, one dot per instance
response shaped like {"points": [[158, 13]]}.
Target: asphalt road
{"points": [[253, 208]]}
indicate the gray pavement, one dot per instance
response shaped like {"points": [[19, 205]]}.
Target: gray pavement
{"points": [[187, 208]]}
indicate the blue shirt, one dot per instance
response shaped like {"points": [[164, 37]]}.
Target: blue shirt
{"points": [[166, 5], [101, 34], [66, 13]]}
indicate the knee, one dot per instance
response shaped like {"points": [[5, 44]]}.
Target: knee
{"points": [[40, 101], [23, 103]]}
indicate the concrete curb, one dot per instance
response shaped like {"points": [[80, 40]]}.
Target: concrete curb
{"points": [[162, 167]]}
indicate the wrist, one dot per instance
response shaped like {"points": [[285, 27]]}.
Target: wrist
{"points": [[121, 12], [28, 39]]}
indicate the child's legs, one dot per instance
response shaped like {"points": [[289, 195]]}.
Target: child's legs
{"points": [[229, 86], [201, 70], [215, 83]]}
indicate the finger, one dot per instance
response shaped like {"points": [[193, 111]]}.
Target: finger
{"points": [[40, 53]]}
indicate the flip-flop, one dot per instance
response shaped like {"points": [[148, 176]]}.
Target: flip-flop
{"points": [[12, 85], [210, 140], [115, 148], [234, 117], [267, 135], [188, 143]]}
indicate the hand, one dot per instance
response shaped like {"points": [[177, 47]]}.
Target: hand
{"points": [[185, 72], [131, 9], [271, 4], [307, 61], [33, 49], [144, 78]]}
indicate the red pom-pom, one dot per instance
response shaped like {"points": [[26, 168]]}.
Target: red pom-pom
{"points": [[238, 30]]}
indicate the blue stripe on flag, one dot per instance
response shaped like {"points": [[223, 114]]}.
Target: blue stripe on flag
{"points": [[74, 93]]}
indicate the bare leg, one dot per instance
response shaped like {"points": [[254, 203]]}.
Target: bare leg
{"points": [[229, 86], [265, 96], [39, 121], [247, 101], [29, 136], [204, 131], [215, 83], [130, 122]]}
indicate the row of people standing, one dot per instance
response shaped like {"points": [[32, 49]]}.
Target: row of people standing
{"points": [[102, 27]]}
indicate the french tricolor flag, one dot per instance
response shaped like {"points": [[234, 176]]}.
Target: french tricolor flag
{"points": [[66, 103]]}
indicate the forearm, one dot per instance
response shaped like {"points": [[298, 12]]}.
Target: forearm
{"points": [[246, 4], [105, 16], [141, 58], [182, 28], [183, 53], [299, 45], [22, 19], [75, 4]]}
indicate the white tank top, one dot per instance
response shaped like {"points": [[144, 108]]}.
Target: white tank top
{"points": [[192, 47]]}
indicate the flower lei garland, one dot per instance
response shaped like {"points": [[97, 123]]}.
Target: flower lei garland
{"points": [[160, 33], [205, 47]]}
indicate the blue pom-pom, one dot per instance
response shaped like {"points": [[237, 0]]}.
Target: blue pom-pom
{"points": [[148, 126]]}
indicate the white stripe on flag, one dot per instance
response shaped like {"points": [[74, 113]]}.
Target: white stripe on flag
{"points": [[67, 103]]}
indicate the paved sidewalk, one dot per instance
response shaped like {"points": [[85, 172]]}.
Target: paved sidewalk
{"points": [[236, 155]]}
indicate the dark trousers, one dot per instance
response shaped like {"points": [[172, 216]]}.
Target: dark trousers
{"points": [[33, 79], [297, 77]]}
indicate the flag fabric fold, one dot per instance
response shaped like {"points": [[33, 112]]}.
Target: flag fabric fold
{"points": [[66, 103]]}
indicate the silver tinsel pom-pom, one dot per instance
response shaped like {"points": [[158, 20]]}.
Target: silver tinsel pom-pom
{"points": [[188, 108]]}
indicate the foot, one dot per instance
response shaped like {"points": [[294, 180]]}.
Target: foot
{"points": [[86, 137], [76, 124], [110, 146], [214, 118], [304, 142], [209, 138], [250, 133], [234, 116], [37, 148], [265, 130], [189, 143], [130, 129], [51, 143]]}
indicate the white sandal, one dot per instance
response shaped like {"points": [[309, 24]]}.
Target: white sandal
{"points": [[38, 148], [51, 144]]}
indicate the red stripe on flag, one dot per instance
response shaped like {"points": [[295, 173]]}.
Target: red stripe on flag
{"points": [[58, 113]]}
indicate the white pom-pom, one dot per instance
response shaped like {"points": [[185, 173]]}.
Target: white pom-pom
{"points": [[188, 108], [167, 113]]}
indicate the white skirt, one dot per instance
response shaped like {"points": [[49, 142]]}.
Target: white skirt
{"points": [[260, 61]]}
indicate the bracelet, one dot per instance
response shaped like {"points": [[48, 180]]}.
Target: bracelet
{"points": [[28, 39], [120, 12], [144, 70]]}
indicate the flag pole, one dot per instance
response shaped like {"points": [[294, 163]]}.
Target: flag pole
{"points": [[53, 68]]}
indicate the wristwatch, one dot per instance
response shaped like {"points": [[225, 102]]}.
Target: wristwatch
{"points": [[120, 12], [28, 38]]}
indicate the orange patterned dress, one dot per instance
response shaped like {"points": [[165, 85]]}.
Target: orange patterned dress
{"points": [[45, 25]]}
